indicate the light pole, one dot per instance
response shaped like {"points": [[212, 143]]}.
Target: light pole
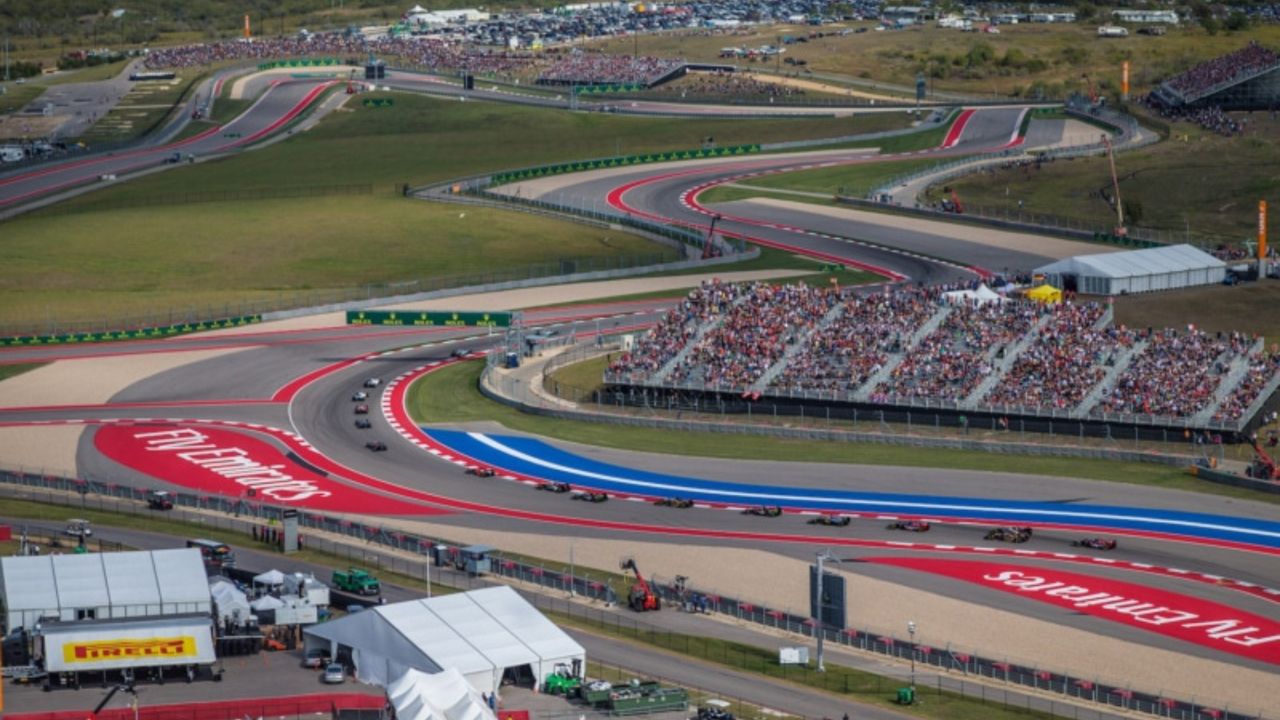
{"points": [[911, 631], [819, 626]]}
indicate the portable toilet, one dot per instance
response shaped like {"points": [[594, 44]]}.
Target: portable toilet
{"points": [[475, 559], [513, 360]]}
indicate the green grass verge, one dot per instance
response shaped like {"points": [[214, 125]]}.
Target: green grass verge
{"points": [[18, 95], [586, 376], [450, 395], [864, 687], [8, 371], [853, 180], [57, 267]]}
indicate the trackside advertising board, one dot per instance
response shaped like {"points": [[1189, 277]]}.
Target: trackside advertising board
{"points": [[428, 319], [77, 647]]}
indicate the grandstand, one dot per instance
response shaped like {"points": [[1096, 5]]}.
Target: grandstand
{"points": [[1247, 79], [944, 354]]}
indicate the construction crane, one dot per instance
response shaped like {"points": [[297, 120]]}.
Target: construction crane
{"points": [[709, 249], [642, 597], [1115, 188], [1263, 467]]}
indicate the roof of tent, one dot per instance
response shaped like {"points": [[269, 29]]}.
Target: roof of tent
{"points": [[443, 696], [472, 632], [1151, 261], [270, 577], [147, 577]]}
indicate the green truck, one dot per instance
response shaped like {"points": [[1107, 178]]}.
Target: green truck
{"points": [[355, 580]]}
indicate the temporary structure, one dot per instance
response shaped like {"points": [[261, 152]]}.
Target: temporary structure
{"points": [[1046, 294], [481, 634], [443, 696], [1162, 268]]}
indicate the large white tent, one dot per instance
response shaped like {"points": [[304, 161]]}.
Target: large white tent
{"points": [[443, 696], [101, 586], [230, 602], [480, 634], [1135, 271]]}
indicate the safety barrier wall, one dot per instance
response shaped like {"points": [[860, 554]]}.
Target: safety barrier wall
{"points": [[423, 558], [143, 333], [620, 161]]}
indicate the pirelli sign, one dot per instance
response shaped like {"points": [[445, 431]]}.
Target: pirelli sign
{"points": [[142, 649]]}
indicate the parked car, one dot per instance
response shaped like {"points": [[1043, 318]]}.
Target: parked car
{"points": [[334, 674], [316, 658], [78, 528], [160, 500]]}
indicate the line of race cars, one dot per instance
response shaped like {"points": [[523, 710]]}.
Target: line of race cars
{"points": [[1010, 534]]}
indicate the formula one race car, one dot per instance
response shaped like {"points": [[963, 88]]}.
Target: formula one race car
{"points": [[832, 520], [555, 487], [362, 409], [481, 471], [763, 511], [909, 525], [1009, 534], [376, 445], [363, 423], [1095, 543], [675, 502], [592, 497]]}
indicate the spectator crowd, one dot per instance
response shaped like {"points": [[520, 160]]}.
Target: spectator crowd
{"points": [[593, 68], [918, 344], [1210, 74]]}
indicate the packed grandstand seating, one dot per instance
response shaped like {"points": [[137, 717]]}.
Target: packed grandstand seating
{"points": [[754, 334], [1211, 118], [1176, 374], [1224, 69], [949, 362], [729, 84], [583, 68], [1063, 362]]}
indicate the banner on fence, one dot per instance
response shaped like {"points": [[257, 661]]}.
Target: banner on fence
{"points": [[429, 319], [622, 161], [135, 334]]}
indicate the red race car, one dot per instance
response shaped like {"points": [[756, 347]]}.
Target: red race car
{"points": [[909, 525]]}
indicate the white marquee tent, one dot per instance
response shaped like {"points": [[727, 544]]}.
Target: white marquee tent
{"points": [[1162, 268], [443, 696], [480, 634], [230, 602]]}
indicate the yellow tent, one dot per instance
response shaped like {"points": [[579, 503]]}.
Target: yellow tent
{"points": [[1045, 294]]}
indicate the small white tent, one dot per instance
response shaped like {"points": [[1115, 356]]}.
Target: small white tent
{"points": [[443, 696], [269, 578], [266, 602], [982, 295], [230, 602]]}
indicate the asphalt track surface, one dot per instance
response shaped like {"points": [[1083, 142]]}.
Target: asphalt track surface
{"points": [[259, 385], [276, 108]]}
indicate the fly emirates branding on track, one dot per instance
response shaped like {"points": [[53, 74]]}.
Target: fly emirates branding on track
{"points": [[1184, 617], [226, 462], [233, 463]]}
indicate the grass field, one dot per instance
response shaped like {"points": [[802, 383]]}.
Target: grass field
{"points": [[16, 96], [450, 396], [84, 266], [851, 180], [1198, 183], [1019, 60], [1248, 307]]}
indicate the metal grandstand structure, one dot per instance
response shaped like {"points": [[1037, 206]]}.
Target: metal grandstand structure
{"points": [[1256, 89]]}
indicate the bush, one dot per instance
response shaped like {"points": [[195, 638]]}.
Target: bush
{"points": [[1237, 21]]}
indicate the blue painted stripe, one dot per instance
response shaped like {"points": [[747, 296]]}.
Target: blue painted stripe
{"points": [[534, 458]]}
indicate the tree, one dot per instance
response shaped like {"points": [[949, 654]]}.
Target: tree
{"points": [[1237, 21], [1211, 25]]}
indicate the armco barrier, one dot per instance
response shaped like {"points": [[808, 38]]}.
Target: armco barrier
{"points": [[277, 707], [621, 161], [74, 338]]}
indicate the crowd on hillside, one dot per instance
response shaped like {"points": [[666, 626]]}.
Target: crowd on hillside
{"points": [[1068, 358], [754, 335], [584, 68], [729, 85], [423, 52], [1176, 374], [1206, 75], [919, 344], [1211, 118]]}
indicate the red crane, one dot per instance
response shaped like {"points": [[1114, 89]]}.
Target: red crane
{"points": [[1263, 466], [641, 598], [1115, 188]]}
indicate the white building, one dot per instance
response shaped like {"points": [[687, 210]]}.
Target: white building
{"points": [[481, 634], [1135, 271], [1146, 16]]}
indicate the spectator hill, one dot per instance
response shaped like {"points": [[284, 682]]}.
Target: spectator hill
{"points": [[1247, 79], [947, 355]]}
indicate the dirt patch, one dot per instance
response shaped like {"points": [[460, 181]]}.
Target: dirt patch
{"points": [[49, 449]]}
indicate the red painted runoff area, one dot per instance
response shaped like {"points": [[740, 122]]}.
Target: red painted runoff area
{"points": [[231, 463], [290, 706], [1174, 615]]}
